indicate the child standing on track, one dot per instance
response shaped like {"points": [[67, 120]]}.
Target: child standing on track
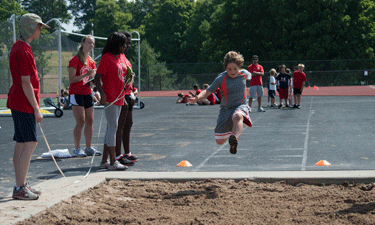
{"points": [[233, 107], [110, 81], [283, 80], [299, 78], [272, 90], [23, 101], [81, 69], [290, 87]]}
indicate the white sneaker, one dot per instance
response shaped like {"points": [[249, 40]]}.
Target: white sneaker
{"points": [[117, 166], [104, 165], [261, 109], [79, 153]]}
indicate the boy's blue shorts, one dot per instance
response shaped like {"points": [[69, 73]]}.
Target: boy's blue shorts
{"points": [[24, 127]]}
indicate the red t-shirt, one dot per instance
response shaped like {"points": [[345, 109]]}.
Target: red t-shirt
{"points": [[113, 70], [197, 92], [211, 98], [22, 63], [78, 88], [255, 80], [298, 79], [185, 99]]}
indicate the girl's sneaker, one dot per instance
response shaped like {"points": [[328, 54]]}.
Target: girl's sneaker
{"points": [[79, 153], [104, 165], [23, 193], [131, 157], [117, 166], [90, 151]]}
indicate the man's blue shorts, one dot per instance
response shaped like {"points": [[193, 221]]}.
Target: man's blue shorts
{"points": [[24, 127]]}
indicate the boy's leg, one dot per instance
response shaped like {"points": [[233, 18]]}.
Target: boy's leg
{"points": [[21, 160], [237, 125]]}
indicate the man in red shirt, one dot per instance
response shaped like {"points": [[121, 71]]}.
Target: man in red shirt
{"points": [[256, 84], [299, 79]]}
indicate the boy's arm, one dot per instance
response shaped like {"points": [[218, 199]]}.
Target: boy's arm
{"points": [[29, 92], [203, 95]]}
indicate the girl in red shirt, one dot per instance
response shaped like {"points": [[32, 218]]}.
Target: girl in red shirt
{"points": [[81, 69], [125, 120], [110, 81]]}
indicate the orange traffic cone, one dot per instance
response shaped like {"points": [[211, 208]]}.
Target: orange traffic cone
{"points": [[323, 163], [309, 86], [184, 163]]}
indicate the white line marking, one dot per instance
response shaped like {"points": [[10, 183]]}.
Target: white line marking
{"points": [[306, 144], [221, 147]]}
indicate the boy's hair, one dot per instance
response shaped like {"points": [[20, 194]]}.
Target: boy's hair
{"points": [[272, 71], [301, 65], [233, 57], [195, 86], [65, 94], [180, 95], [287, 70], [205, 86]]}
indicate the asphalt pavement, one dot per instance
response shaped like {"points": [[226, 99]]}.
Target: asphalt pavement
{"points": [[282, 144]]}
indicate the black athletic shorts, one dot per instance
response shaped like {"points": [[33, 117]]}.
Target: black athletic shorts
{"points": [[24, 126], [86, 101], [297, 91]]}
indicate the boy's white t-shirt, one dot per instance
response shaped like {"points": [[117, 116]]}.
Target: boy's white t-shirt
{"points": [[272, 86]]}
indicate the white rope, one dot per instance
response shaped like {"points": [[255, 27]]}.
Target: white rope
{"points": [[92, 159], [49, 149]]}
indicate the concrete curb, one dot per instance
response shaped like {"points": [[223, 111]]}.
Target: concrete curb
{"points": [[59, 189]]}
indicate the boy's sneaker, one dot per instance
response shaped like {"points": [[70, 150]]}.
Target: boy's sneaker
{"points": [[131, 157], [23, 193], [90, 151], [298, 106], [124, 161], [104, 165], [295, 106], [233, 144], [249, 110], [280, 106], [286, 106], [117, 166], [32, 189], [261, 109], [79, 152]]}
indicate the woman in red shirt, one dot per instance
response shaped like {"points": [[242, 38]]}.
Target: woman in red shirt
{"points": [[110, 81], [81, 69]]}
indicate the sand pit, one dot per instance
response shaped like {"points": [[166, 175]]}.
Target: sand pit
{"points": [[214, 202]]}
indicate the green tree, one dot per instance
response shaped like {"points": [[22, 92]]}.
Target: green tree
{"points": [[48, 9], [9, 7], [138, 8], [109, 18], [152, 69], [83, 11], [165, 28]]}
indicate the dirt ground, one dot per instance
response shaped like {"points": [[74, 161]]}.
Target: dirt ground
{"points": [[214, 202]]}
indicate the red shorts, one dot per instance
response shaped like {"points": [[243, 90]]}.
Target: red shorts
{"points": [[283, 93]]}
